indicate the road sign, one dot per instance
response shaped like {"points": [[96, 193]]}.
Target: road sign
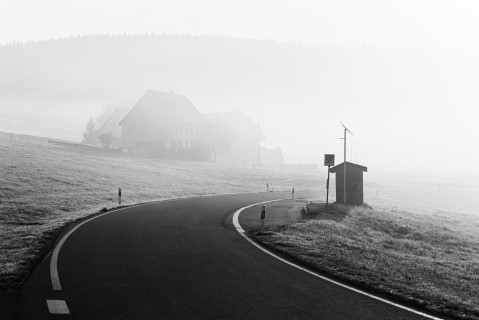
{"points": [[329, 160]]}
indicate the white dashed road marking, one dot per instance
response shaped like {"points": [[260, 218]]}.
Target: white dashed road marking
{"points": [[57, 307]]}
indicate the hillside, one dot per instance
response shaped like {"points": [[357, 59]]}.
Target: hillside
{"points": [[59, 78], [44, 187], [125, 66], [52, 87]]}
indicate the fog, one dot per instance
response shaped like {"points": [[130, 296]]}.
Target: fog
{"points": [[403, 77]]}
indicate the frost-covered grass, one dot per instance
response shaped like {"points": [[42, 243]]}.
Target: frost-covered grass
{"points": [[431, 260], [44, 187]]}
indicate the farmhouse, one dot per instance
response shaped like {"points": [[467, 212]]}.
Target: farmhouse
{"points": [[234, 138], [166, 125]]}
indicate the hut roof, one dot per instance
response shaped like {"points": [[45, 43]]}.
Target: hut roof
{"points": [[349, 166]]}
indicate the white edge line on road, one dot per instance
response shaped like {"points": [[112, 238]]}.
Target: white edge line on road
{"points": [[54, 259], [243, 233]]}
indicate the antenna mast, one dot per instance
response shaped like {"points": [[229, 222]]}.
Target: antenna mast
{"points": [[344, 174]]}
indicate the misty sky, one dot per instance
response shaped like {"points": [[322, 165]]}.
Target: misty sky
{"points": [[419, 24], [436, 135]]}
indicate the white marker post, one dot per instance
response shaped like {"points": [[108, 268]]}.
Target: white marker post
{"points": [[263, 215], [119, 196]]}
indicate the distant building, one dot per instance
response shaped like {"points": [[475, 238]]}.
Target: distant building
{"points": [[235, 138], [112, 126], [271, 156], [166, 125]]}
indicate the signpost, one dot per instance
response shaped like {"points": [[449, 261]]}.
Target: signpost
{"points": [[328, 161]]}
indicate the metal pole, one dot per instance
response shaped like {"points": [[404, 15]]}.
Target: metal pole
{"points": [[327, 190], [344, 186]]}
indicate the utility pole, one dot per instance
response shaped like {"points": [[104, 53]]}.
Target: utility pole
{"points": [[344, 184]]}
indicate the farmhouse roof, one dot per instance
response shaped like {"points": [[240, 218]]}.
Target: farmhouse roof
{"points": [[179, 107], [350, 165], [235, 121], [114, 118]]}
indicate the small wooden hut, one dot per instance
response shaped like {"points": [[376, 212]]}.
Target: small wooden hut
{"points": [[354, 183]]}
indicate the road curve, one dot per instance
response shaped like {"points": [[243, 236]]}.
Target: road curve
{"points": [[183, 259]]}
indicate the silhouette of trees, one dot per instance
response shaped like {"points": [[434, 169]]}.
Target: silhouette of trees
{"points": [[90, 135], [105, 139]]}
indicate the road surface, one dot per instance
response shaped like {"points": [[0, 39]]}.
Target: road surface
{"points": [[183, 259]]}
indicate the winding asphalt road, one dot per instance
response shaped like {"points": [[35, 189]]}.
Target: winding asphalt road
{"points": [[184, 259]]}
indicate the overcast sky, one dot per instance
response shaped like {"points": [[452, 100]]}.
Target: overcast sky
{"points": [[439, 26]]}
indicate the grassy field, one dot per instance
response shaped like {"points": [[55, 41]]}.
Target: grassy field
{"points": [[44, 187], [429, 260]]}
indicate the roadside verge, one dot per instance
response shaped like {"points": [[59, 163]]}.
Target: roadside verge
{"points": [[243, 233]]}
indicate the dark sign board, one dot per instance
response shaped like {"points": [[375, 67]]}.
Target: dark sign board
{"points": [[329, 160]]}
